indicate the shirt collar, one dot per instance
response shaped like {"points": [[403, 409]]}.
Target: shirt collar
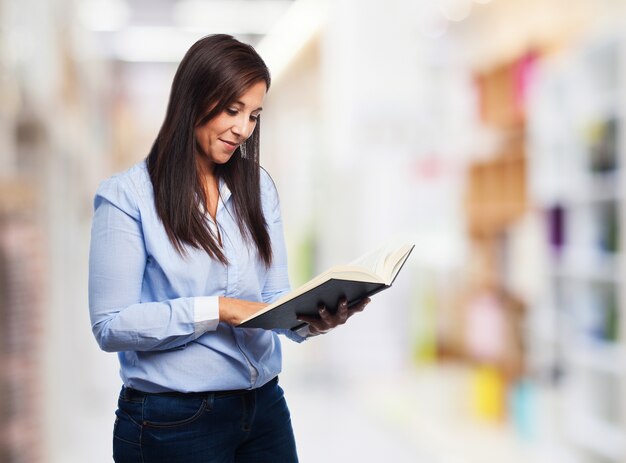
{"points": [[225, 194]]}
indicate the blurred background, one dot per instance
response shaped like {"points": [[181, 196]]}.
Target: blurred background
{"points": [[488, 133]]}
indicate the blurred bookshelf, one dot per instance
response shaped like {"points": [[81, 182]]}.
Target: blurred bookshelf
{"points": [[22, 285], [576, 149]]}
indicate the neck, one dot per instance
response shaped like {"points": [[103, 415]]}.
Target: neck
{"points": [[208, 180], [206, 168]]}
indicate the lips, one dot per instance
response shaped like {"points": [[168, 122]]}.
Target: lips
{"points": [[229, 144]]}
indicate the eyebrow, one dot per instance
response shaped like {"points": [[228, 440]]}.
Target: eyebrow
{"points": [[260, 108]]}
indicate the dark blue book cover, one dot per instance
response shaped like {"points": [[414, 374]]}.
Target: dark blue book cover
{"points": [[334, 284]]}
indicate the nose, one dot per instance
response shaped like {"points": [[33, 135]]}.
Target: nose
{"points": [[242, 127]]}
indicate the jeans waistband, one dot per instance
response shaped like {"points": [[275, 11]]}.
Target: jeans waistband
{"points": [[130, 393]]}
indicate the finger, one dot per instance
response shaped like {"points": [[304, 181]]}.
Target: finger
{"points": [[361, 305], [342, 312], [325, 315], [317, 326], [321, 310], [308, 319], [322, 323], [319, 329], [358, 307]]}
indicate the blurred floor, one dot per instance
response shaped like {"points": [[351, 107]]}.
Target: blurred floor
{"points": [[420, 416], [331, 425]]}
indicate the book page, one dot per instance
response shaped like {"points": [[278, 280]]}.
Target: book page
{"points": [[395, 262], [384, 261], [374, 261]]}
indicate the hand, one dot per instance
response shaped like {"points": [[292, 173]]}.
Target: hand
{"points": [[327, 321], [234, 311]]}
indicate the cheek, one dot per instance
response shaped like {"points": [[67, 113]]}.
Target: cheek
{"points": [[252, 129], [202, 136], [202, 141]]}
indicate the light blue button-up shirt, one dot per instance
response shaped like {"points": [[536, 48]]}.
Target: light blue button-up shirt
{"points": [[158, 309]]}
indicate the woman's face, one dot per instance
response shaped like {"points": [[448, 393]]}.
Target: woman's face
{"points": [[220, 136]]}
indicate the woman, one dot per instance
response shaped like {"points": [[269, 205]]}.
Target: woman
{"points": [[184, 246]]}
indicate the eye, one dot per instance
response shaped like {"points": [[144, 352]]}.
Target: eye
{"points": [[254, 117], [231, 111]]}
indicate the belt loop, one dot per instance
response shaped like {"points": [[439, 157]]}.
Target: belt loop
{"points": [[210, 399]]}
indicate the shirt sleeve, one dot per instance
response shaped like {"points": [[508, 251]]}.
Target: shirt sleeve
{"points": [[117, 261], [277, 281]]}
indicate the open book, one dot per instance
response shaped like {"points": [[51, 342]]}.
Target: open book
{"points": [[362, 278]]}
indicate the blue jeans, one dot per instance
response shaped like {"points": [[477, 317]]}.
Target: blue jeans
{"points": [[233, 427]]}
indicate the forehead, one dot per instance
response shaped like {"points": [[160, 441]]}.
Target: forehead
{"points": [[253, 96]]}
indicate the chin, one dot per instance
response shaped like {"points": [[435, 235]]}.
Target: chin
{"points": [[223, 159]]}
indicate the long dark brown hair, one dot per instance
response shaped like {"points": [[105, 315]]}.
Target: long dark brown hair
{"points": [[215, 71]]}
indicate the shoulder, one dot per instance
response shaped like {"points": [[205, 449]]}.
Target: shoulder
{"points": [[268, 187], [126, 190], [269, 193]]}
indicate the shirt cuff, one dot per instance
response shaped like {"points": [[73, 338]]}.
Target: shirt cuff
{"points": [[206, 314]]}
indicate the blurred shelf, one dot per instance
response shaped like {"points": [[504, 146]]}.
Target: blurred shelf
{"points": [[603, 356], [588, 189], [598, 437], [590, 265], [577, 150], [597, 187]]}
